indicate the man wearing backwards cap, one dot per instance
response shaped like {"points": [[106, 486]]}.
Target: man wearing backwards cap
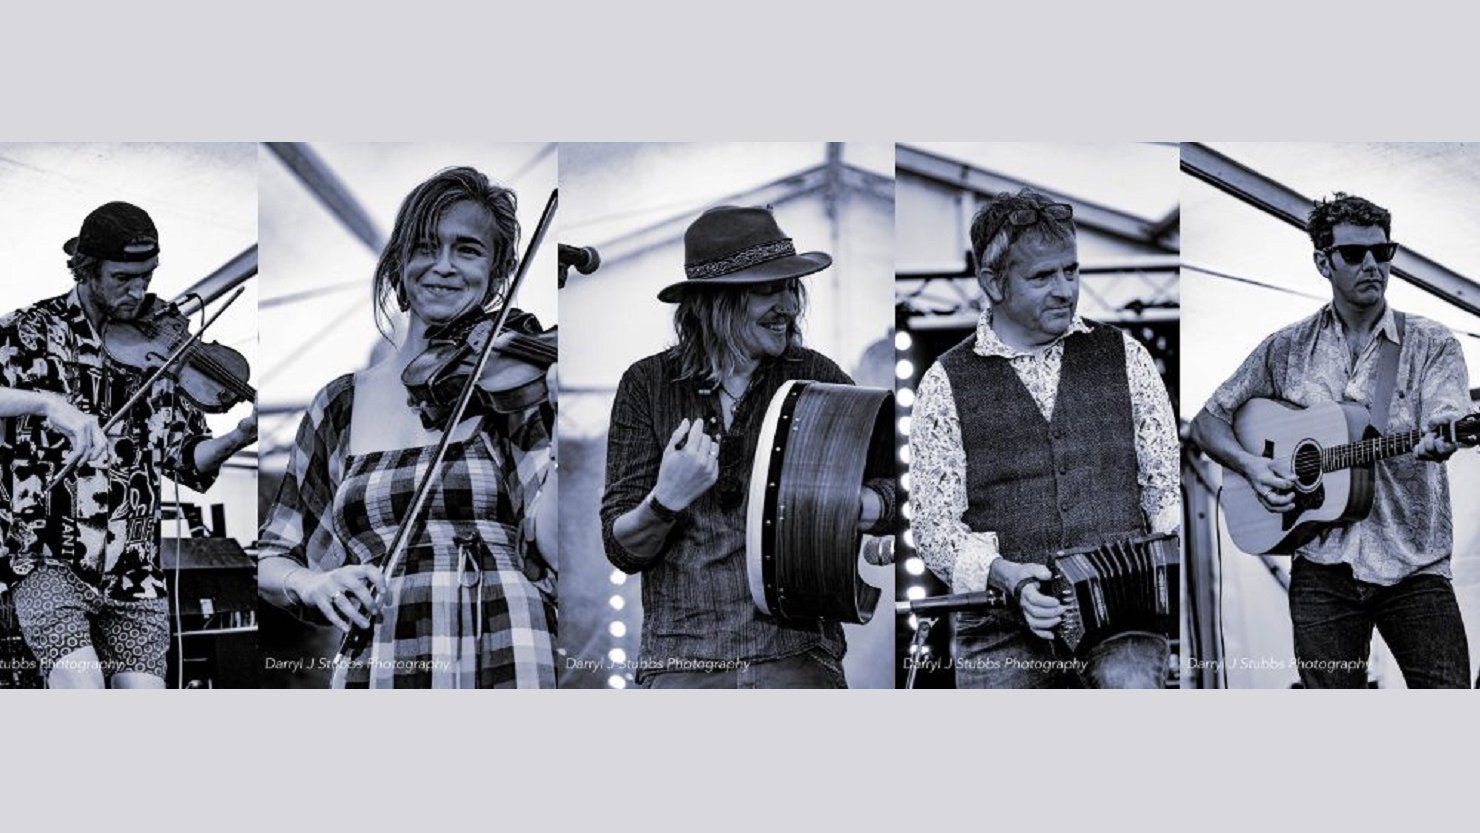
{"points": [[1042, 431], [684, 428], [83, 558]]}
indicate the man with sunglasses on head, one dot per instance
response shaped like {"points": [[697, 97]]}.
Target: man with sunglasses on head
{"points": [[1040, 432], [684, 429], [1389, 570]]}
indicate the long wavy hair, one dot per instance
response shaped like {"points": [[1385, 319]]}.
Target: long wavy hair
{"points": [[417, 220], [709, 322]]}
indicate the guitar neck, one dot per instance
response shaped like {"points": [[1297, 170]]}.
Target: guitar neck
{"points": [[1464, 431], [1366, 452]]}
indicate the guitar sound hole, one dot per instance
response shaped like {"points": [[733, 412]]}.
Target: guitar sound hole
{"points": [[1307, 462]]}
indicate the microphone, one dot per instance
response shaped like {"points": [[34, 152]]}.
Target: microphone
{"points": [[584, 258], [981, 600]]}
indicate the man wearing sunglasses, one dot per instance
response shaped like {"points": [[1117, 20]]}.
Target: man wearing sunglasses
{"points": [[1042, 431], [1389, 570], [684, 429]]}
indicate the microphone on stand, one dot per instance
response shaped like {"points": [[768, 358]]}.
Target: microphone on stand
{"points": [[585, 259]]}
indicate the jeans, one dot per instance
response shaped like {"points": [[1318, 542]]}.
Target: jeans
{"points": [[1333, 615], [996, 650], [814, 669]]}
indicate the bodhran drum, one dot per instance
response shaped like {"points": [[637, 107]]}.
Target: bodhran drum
{"points": [[818, 444]]}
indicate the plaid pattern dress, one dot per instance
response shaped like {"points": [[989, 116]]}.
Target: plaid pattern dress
{"points": [[461, 611]]}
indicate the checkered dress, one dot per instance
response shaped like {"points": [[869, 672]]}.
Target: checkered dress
{"points": [[461, 611]]}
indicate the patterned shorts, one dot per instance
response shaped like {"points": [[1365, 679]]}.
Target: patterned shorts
{"points": [[59, 613]]}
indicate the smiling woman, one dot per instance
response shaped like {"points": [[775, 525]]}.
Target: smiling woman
{"points": [[473, 603]]}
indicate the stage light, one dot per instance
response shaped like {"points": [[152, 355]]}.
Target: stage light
{"points": [[904, 481], [902, 341], [914, 622], [905, 398], [616, 681], [617, 602], [907, 510], [904, 454], [915, 593], [617, 656], [904, 426], [915, 566], [617, 629], [909, 538], [904, 369], [618, 578]]}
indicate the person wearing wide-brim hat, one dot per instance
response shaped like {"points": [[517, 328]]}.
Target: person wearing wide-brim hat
{"points": [[80, 546], [685, 423]]}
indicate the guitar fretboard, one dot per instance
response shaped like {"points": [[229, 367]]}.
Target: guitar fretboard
{"points": [[1363, 452]]}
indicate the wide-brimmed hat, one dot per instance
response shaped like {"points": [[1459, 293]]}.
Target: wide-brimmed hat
{"points": [[117, 231], [730, 246]]}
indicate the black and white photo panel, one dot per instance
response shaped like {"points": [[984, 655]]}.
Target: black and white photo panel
{"points": [[1037, 358], [128, 466], [728, 427], [408, 500], [1333, 331]]}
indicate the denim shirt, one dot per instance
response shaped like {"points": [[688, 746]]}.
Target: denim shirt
{"points": [[695, 597]]}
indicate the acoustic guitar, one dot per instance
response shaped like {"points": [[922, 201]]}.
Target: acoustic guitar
{"points": [[1331, 448]]}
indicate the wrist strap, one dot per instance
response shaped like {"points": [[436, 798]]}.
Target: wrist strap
{"points": [[664, 513], [1017, 589]]}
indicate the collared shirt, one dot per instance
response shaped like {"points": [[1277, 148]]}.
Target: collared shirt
{"points": [[944, 542], [695, 597], [1409, 529], [104, 523]]}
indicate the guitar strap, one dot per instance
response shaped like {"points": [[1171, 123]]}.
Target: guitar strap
{"points": [[1387, 376]]}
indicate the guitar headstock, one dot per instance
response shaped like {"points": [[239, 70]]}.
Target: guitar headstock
{"points": [[1465, 430]]}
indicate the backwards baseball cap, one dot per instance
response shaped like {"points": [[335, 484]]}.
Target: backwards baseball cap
{"points": [[116, 231]]}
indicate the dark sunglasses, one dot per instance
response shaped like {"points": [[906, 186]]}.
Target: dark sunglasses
{"points": [[1354, 253]]}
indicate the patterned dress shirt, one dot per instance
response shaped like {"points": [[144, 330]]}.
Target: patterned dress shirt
{"points": [[1410, 529], [104, 523], [961, 557]]}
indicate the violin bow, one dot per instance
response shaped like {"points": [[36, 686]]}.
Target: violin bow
{"points": [[148, 383], [354, 643]]}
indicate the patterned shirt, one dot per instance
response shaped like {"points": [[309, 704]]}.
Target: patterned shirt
{"points": [[696, 601], [104, 523], [1409, 529], [938, 459]]}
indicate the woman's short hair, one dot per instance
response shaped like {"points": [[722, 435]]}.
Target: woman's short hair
{"points": [[417, 220]]}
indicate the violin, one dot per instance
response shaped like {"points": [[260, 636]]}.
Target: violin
{"points": [[513, 379], [209, 374], [357, 640]]}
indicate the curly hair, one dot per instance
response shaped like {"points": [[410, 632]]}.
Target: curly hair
{"points": [[1345, 208], [708, 323], [417, 220], [992, 236], [84, 267]]}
